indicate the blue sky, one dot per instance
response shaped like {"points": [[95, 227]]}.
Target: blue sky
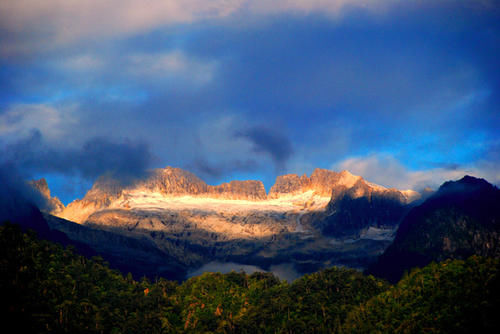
{"points": [[404, 93]]}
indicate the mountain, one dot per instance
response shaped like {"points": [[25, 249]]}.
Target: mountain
{"points": [[321, 182], [195, 223], [175, 181], [354, 209], [461, 219], [170, 186], [20, 203]]}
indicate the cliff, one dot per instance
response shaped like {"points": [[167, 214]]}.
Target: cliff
{"points": [[178, 182], [321, 182]]}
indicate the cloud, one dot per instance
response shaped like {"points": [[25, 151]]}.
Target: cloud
{"points": [[33, 24], [171, 65], [59, 22], [214, 170], [343, 78], [124, 160], [268, 141], [387, 171], [45, 24], [19, 119], [17, 198]]}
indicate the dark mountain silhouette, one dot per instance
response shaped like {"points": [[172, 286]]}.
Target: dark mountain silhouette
{"points": [[461, 219], [352, 210]]}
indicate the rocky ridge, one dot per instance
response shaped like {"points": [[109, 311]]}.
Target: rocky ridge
{"points": [[321, 182], [178, 182], [165, 187], [196, 223]]}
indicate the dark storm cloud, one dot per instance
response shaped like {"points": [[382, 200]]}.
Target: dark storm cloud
{"points": [[124, 161], [269, 141]]}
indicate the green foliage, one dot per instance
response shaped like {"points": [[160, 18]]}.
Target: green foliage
{"points": [[448, 297], [46, 288], [323, 299]]}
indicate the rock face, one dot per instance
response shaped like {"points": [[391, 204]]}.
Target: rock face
{"points": [[321, 182], [100, 196], [178, 182], [289, 184], [461, 219], [175, 181], [353, 210], [242, 190]]}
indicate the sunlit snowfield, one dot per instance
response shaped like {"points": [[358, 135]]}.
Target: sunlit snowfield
{"points": [[147, 200]]}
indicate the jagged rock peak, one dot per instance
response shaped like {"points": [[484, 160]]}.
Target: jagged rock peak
{"points": [[175, 181], [321, 181], [363, 188], [289, 184], [248, 190], [103, 190]]}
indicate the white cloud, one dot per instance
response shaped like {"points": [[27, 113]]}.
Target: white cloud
{"points": [[332, 7], [18, 120], [48, 23], [385, 170]]}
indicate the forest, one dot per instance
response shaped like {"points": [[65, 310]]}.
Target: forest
{"points": [[46, 288]]}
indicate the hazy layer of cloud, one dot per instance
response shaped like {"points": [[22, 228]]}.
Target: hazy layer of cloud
{"points": [[18, 120], [385, 170], [284, 271], [41, 25], [59, 22]]}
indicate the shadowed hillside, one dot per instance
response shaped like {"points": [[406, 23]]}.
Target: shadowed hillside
{"points": [[461, 219]]}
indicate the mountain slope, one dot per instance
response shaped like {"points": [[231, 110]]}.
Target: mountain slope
{"points": [[363, 205], [195, 223], [137, 255], [461, 219]]}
